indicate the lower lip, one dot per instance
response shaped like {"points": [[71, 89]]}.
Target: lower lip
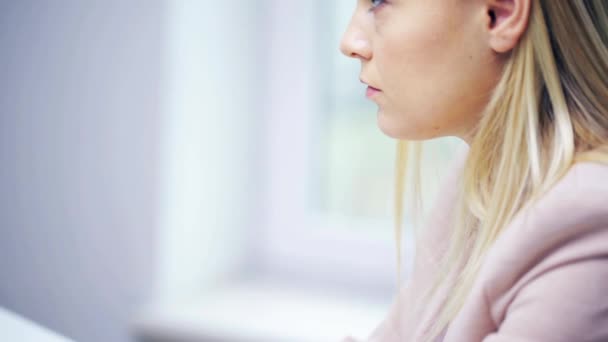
{"points": [[371, 92]]}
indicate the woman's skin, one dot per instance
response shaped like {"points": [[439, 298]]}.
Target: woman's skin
{"points": [[435, 62]]}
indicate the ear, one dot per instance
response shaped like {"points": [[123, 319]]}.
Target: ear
{"points": [[508, 21]]}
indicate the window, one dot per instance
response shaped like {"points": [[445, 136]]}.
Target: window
{"points": [[330, 169], [272, 164], [295, 176]]}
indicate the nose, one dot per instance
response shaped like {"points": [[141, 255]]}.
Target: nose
{"points": [[354, 43]]}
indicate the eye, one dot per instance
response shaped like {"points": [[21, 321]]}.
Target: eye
{"points": [[376, 4]]}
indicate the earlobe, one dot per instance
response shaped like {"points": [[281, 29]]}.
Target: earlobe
{"points": [[508, 21]]}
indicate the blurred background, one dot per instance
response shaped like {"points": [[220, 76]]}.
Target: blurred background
{"points": [[184, 170]]}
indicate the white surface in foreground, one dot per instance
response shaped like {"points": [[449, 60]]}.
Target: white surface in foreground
{"points": [[263, 312], [17, 328]]}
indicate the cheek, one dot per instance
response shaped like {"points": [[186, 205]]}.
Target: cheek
{"points": [[422, 69], [411, 61]]}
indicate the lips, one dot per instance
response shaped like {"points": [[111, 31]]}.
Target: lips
{"points": [[371, 91], [369, 85]]}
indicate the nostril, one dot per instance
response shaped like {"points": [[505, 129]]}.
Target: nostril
{"points": [[355, 47], [348, 52], [492, 15]]}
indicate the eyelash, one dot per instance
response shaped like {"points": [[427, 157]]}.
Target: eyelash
{"points": [[376, 5]]}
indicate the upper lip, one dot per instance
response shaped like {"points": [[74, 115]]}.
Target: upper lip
{"points": [[365, 82]]}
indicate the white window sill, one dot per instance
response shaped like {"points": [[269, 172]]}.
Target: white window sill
{"points": [[262, 311]]}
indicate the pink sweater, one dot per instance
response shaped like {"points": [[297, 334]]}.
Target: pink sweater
{"points": [[544, 279]]}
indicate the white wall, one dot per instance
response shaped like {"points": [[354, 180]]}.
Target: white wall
{"points": [[79, 142]]}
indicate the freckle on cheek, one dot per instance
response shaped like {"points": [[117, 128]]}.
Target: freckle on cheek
{"points": [[436, 128]]}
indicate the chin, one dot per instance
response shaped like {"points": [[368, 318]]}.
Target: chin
{"points": [[403, 129]]}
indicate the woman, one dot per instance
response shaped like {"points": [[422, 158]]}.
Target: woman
{"points": [[516, 249]]}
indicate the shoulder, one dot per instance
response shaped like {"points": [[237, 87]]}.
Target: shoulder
{"points": [[571, 218], [576, 207], [581, 193], [553, 258]]}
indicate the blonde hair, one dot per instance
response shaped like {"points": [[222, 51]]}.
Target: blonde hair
{"points": [[548, 111]]}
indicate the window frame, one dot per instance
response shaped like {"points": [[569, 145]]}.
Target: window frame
{"points": [[297, 239]]}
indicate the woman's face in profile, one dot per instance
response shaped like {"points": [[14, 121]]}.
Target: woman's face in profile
{"points": [[430, 60]]}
